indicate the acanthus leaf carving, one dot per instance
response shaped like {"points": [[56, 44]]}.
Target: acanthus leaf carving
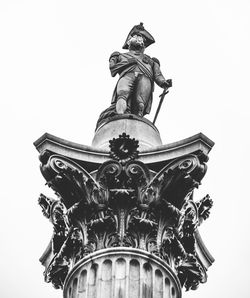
{"points": [[124, 203], [204, 206], [190, 272]]}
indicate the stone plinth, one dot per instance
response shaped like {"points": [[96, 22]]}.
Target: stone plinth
{"points": [[122, 272], [136, 127]]}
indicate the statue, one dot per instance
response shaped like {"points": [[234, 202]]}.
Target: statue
{"points": [[137, 74]]}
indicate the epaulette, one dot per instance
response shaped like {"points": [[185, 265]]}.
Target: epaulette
{"points": [[115, 54], [156, 61]]}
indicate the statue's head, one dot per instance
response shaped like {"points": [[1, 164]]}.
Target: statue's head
{"points": [[138, 37], [136, 42]]}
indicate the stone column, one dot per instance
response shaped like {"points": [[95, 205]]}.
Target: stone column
{"points": [[121, 272], [125, 219]]}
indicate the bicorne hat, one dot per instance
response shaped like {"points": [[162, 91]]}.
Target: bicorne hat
{"points": [[139, 29]]}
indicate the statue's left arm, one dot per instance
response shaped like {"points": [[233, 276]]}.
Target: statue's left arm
{"points": [[158, 76]]}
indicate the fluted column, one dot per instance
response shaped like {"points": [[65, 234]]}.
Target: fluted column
{"points": [[122, 273]]}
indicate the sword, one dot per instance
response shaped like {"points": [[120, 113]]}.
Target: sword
{"points": [[165, 91]]}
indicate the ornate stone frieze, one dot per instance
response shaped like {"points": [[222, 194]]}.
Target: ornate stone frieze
{"points": [[124, 203]]}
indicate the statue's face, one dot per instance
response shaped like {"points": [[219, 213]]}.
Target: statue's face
{"points": [[136, 41]]}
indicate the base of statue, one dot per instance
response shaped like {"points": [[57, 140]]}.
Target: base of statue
{"points": [[136, 127]]}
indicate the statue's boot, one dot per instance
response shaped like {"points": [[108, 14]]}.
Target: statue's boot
{"points": [[141, 109], [121, 105]]}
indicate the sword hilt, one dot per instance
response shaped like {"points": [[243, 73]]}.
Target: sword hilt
{"points": [[165, 91]]}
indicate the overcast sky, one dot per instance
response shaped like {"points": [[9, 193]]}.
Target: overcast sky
{"points": [[54, 78]]}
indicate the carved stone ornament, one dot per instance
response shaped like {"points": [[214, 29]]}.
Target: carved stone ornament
{"points": [[123, 148], [125, 204]]}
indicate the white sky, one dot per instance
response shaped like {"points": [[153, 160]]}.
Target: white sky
{"points": [[54, 78]]}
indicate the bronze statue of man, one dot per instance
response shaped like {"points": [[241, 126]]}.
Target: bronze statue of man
{"points": [[137, 74]]}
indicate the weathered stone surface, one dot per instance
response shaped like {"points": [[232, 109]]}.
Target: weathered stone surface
{"points": [[124, 199], [92, 157], [136, 127], [122, 273]]}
